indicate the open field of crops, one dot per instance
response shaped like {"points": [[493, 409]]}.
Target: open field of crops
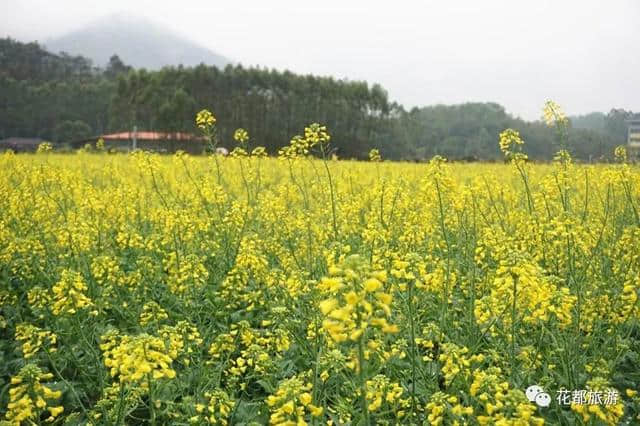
{"points": [[154, 289]]}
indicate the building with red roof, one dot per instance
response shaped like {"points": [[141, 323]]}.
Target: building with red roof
{"points": [[153, 141]]}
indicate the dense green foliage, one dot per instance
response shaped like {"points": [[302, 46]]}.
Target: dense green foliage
{"points": [[65, 99]]}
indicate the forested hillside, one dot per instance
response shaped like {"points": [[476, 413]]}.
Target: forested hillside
{"points": [[65, 98]]}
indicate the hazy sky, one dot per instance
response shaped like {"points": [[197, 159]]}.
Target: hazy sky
{"points": [[585, 54]]}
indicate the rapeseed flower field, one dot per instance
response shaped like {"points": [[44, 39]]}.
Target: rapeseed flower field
{"points": [[148, 289]]}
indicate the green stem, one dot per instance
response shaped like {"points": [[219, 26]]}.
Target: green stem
{"points": [[363, 385], [413, 349], [333, 201], [513, 326], [71, 388], [445, 301], [152, 405]]}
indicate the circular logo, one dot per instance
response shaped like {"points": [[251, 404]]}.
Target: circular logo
{"points": [[543, 399], [532, 391]]}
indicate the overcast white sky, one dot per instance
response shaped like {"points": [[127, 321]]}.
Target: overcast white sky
{"points": [[585, 54]]}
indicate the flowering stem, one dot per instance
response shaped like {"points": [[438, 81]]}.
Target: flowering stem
{"points": [[412, 336], [152, 405], [71, 388], [333, 202], [318, 350], [627, 190], [204, 201], [215, 158], [586, 195], [120, 404], [363, 387], [445, 296], [513, 326], [526, 187], [213, 144], [246, 183]]}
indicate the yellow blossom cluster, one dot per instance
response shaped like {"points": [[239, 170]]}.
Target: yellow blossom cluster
{"points": [[383, 394], [69, 294], [137, 359], [205, 119], [511, 145], [374, 156], [241, 136], [152, 313], [500, 403], [29, 398], [185, 273], [218, 408], [181, 339], [358, 300], [521, 291], [552, 114], [292, 403], [316, 134], [44, 147], [251, 352], [447, 409], [457, 362], [620, 153], [609, 413], [34, 338]]}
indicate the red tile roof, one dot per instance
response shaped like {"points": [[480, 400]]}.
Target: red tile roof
{"points": [[151, 136]]}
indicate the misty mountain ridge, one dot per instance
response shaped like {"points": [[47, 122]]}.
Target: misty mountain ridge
{"points": [[138, 42]]}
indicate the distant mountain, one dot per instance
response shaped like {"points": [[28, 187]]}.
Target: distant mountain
{"points": [[137, 41]]}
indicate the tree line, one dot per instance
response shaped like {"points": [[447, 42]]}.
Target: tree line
{"points": [[65, 98]]}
